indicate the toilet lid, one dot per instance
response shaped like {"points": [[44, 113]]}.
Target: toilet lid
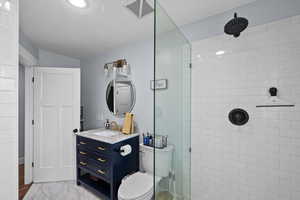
{"points": [[145, 197], [136, 186]]}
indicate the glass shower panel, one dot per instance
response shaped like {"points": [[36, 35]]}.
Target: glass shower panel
{"points": [[172, 109]]}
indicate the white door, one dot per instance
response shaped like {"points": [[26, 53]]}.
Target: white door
{"points": [[56, 115]]}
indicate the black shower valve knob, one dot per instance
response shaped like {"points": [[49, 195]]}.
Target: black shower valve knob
{"points": [[273, 91], [238, 117]]}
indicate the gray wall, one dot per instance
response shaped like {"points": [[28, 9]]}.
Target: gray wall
{"points": [[47, 58], [141, 59], [27, 44], [50, 59]]}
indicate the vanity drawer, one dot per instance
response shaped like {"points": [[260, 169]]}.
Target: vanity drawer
{"points": [[84, 142], [103, 172], [100, 160], [93, 145], [102, 148], [82, 161], [83, 152]]}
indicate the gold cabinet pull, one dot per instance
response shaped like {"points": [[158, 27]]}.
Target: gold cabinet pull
{"points": [[101, 172], [101, 148], [83, 163], [82, 153], [101, 160], [82, 143]]}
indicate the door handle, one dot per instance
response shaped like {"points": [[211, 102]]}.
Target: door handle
{"points": [[75, 130]]}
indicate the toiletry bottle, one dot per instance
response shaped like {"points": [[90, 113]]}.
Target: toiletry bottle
{"points": [[147, 139], [144, 139], [165, 141], [150, 140]]}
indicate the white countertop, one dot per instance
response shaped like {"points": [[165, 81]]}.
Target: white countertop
{"points": [[119, 137]]}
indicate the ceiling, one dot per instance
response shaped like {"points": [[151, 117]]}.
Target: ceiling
{"points": [[56, 26], [188, 11]]}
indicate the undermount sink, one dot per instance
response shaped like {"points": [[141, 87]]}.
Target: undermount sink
{"points": [[107, 133]]}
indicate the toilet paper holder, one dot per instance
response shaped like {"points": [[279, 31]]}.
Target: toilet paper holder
{"points": [[119, 150], [124, 150]]}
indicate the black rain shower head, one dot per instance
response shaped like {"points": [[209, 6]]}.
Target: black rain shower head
{"points": [[236, 26]]}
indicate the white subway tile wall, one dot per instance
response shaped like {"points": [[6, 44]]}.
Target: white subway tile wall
{"points": [[9, 102], [261, 160]]}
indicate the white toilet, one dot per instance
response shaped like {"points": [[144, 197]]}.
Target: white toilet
{"points": [[139, 186]]}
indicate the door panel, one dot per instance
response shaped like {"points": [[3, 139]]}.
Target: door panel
{"points": [[67, 159], [46, 137], [56, 114]]}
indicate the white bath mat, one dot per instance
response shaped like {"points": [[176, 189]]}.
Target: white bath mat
{"points": [[59, 191]]}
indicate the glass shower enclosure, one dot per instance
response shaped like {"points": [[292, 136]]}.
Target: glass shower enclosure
{"points": [[172, 110]]}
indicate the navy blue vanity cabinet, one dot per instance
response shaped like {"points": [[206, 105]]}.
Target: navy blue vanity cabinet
{"points": [[100, 166]]}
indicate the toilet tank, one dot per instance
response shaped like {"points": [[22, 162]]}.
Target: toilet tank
{"points": [[163, 161]]}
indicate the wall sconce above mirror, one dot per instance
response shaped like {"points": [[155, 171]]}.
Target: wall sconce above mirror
{"points": [[117, 68], [5, 5]]}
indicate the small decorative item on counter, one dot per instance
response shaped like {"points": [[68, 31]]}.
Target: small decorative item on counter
{"points": [[128, 127]]}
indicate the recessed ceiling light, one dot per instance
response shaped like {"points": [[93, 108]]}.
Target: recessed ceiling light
{"points": [[78, 3], [219, 53]]}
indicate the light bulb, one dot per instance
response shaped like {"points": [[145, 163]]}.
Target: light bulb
{"points": [[7, 5], [219, 53], [78, 3]]}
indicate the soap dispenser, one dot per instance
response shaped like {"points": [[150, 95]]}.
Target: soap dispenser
{"points": [[107, 124]]}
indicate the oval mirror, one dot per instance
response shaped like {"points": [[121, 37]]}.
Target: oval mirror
{"points": [[120, 97]]}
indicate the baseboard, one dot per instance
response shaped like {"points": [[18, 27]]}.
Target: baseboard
{"points": [[21, 161]]}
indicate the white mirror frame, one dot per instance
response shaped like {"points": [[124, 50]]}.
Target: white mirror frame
{"points": [[134, 96]]}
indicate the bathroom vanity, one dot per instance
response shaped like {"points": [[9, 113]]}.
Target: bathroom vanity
{"points": [[103, 160]]}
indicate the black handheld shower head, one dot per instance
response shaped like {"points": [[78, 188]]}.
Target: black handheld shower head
{"points": [[236, 26]]}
